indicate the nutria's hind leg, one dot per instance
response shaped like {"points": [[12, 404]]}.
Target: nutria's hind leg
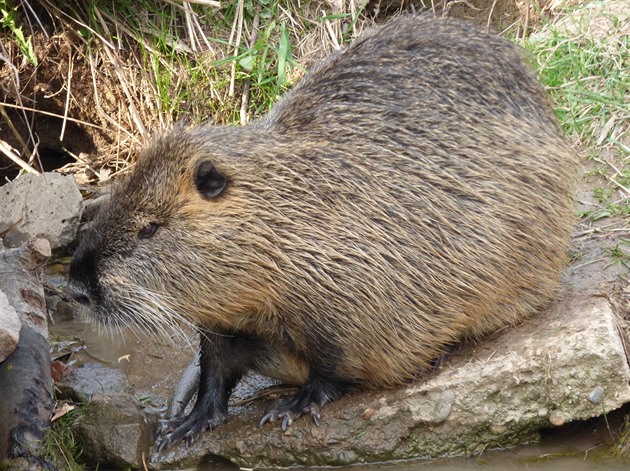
{"points": [[186, 388], [317, 391], [222, 362]]}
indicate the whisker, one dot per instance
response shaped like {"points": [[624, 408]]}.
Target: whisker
{"points": [[149, 313]]}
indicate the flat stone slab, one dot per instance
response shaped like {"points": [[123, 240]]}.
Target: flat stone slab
{"points": [[566, 364]]}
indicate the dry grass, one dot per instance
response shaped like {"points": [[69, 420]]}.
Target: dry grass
{"points": [[125, 70], [104, 76], [584, 60], [92, 80]]}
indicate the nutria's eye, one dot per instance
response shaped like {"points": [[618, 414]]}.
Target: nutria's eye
{"points": [[148, 231], [209, 181]]}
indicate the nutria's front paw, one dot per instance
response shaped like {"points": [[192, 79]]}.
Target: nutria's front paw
{"points": [[187, 428], [290, 409]]}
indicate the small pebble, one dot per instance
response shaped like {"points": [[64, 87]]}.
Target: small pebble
{"points": [[367, 413], [557, 418], [596, 395], [498, 429]]}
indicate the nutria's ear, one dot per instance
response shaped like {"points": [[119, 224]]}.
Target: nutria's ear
{"points": [[208, 180]]}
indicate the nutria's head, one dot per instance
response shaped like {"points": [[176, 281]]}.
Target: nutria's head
{"points": [[170, 242]]}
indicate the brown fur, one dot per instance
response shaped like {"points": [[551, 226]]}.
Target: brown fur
{"points": [[411, 191]]}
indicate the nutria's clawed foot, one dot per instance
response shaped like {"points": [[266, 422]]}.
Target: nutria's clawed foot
{"points": [[187, 428], [290, 409], [317, 391]]}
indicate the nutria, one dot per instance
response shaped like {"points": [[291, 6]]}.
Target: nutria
{"points": [[411, 191]]}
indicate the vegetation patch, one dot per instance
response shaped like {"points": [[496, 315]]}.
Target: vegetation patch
{"points": [[60, 446], [583, 58], [86, 83]]}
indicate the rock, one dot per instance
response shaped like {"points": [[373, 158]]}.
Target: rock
{"points": [[10, 325], [83, 383], [26, 400], [47, 206], [114, 432], [27, 464], [567, 364]]}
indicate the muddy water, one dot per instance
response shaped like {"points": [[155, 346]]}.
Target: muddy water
{"points": [[152, 366]]}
